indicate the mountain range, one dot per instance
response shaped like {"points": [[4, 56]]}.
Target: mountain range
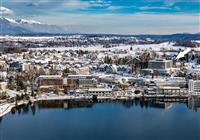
{"points": [[10, 26], [21, 26]]}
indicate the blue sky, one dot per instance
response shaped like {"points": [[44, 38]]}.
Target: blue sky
{"points": [[110, 16]]}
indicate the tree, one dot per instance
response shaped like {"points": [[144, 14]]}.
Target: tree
{"points": [[108, 60], [31, 75], [11, 82], [66, 71]]}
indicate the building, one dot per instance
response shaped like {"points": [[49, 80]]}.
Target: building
{"points": [[48, 83], [173, 82], [159, 67], [194, 86], [27, 67], [73, 82], [3, 86], [84, 71], [3, 70], [3, 75], [100, 90], [3, 66], [169, 90], [160, 64]]}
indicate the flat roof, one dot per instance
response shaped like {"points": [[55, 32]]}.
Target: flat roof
{"points": [[80, 75], [160, 60], [170, 88], [49, 76], [100, 89]]}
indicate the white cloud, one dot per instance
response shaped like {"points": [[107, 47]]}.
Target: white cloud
{"points": [[153, 7], [100, 3], [116, 7], [5, 11], [78, 4], [172, 2]]}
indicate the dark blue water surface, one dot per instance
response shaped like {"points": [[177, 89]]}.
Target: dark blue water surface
{"points": [[102, 121]]}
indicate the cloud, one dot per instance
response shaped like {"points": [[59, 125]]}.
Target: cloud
{"points": [[112, 16], [33, 4], [5, 11], [46, 7], [153, 8], [117, 7], [173, 2], [78, 4], [100, 3]]}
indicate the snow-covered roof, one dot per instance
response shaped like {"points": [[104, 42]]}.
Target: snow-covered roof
{"points": [[182, 54], [99, 89]]}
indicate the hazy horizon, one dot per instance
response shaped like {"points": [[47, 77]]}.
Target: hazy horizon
{"points": [[125, 17]]}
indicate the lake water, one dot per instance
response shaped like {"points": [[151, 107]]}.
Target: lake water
{"points": [[130, 120]]}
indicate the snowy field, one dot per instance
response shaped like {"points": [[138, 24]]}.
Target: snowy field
{"points": [[155, 47], [28, 38]]}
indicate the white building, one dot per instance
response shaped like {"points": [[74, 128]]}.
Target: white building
{"points": [[158, 67], [160, 64], [3, 86], [194, 86], [99, 90], [3, 75]]}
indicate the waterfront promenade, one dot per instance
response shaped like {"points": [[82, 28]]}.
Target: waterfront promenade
{"points": [[7, 107]]}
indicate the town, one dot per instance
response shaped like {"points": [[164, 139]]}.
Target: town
{"points": [[74, 67]]}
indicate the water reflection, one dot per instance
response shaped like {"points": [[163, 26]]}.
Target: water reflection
{"points": [[33, 109], [193, 103], [67, 104], [128, 119]]}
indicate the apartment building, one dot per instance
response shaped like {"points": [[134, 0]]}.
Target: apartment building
{"points": [[194, 86]]}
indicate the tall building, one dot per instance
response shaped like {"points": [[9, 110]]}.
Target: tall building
{"points": [[194, 86], [160, 64], [159, 67]]}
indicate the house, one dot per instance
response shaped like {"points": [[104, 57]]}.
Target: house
{"points": [[194, 86]]}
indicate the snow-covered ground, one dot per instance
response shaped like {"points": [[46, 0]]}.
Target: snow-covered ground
{"points": [[28, 38], [121, 50], [156, 47], [197, 41]]}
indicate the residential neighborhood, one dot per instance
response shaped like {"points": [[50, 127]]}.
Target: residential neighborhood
{"points": [[119, 72]]}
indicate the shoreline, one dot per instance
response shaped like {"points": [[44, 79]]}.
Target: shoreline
{"points": [[7, 107]]}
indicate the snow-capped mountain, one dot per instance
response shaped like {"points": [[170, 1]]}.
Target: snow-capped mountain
{"points": [[21, 26]]}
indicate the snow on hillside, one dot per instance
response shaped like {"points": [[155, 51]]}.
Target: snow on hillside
{"points": [[23, 26], [24, 21], [155, 47]]}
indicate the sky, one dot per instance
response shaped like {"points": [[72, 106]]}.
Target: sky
{"points": [[110, 16]]}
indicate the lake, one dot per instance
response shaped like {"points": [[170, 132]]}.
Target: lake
{"points": [[85, 120]]}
